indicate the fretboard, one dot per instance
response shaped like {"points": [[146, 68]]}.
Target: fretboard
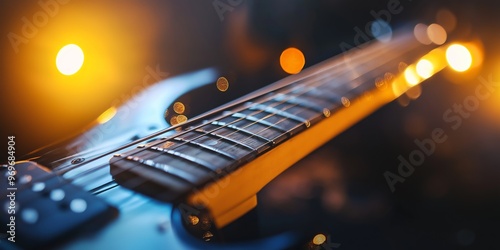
{"points": [[178, 164]]}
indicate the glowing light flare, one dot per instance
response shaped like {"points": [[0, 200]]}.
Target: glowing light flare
{"points": [[425, 68], [106, 115], [437, 34], [458, 57], [69, 59], [292, 60], [319, 239], [411, 76]]}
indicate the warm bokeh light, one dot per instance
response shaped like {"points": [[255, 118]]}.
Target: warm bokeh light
{"points": [[178, 119], [420, 32], [69, 59], [173, 120], [458, 57], [425, 69], [319, 239], [437, 33], [292, 60], [179, 107], [222, 84], [181, 119], [411, 76], [106, 115]]}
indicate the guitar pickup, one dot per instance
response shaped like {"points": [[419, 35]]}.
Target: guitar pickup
{"points": [[40, 208]]}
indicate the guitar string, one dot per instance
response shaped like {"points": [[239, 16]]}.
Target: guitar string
{"points": [[320, 84]]}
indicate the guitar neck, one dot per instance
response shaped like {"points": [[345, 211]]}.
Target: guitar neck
{"points": [[246, 146]]}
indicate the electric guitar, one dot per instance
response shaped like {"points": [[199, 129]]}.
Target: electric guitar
{"points": [[133, 182]]}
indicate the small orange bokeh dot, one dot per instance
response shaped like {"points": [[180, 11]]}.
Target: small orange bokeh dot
{"points": [[292, 60]]}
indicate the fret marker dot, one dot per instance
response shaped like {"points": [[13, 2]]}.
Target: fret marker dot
{"points": [[78, 205], [29, 215], [345, 101], [379, 82], [326, 112]]}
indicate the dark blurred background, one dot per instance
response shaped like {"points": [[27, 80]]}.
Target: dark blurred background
{"points": [[451, 201]]}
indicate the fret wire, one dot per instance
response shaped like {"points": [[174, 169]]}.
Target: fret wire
{"points": [[260, 121], [208, 148], [222, 137], [281, 112], [160, 132], [204, 164], [241, 129]]}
